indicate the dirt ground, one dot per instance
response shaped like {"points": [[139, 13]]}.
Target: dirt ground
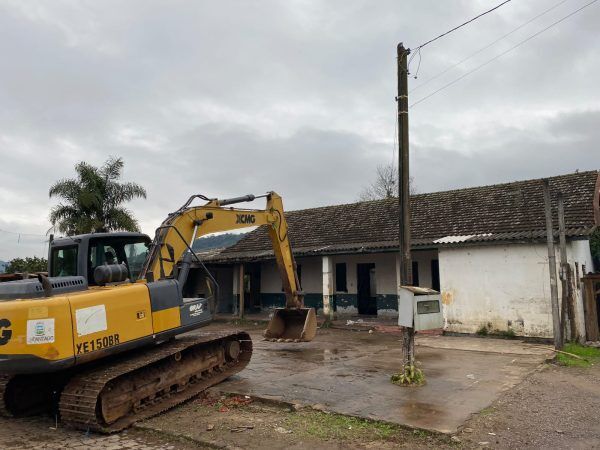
{"points": [[239, 422], [555, 407]]}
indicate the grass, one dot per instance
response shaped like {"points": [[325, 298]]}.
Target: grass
{"points": [[591, 355], [482, 331], [506, 334], [410, 376], [326, 426], [487, 411]]}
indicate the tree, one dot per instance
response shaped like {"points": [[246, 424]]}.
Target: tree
{"points": [[30, 265], [93, 201], [595, 247], [385, 184]]}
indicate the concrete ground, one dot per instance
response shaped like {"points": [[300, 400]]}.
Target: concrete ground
{"points": [[348, 373]]}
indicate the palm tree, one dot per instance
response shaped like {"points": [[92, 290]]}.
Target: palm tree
{"points": [[92, 202]]}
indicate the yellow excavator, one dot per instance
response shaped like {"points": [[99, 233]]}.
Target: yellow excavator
{"points": [[98, 339]]}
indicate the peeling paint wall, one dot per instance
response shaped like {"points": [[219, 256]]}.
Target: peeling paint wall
{"points": [[501, 287]]}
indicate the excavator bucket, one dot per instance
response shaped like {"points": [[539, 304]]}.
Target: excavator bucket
{"points": [[292, 325]]}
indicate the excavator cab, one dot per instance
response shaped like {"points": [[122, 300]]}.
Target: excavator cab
{"points": [[81, 255]]}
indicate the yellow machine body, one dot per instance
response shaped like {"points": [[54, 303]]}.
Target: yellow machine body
{"points": [[53, 332], [66, 330]]}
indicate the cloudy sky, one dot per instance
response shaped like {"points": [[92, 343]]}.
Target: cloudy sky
{"points": [[234, 97]]}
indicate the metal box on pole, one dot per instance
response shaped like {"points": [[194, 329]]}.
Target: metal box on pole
{"points": [[420, 308]]}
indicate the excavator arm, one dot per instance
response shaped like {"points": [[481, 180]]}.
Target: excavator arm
{"points": [[175, 237]]}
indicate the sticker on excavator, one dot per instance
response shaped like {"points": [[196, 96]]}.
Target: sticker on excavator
{"points": [[292, 325], [40, 331], [91, 320]]}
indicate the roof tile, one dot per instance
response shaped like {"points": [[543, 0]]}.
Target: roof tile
{"points": [[500, 212]]}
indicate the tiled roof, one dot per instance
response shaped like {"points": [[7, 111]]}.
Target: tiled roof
{"points": [[500, 212]]}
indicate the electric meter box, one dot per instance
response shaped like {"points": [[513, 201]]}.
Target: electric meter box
{"points": [[420, 308]]}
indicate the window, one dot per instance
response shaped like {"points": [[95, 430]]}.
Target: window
{"points": [[136, 254], [415, 273], [111, 250], [64, 262], [435, 274], [428, 307], [340, 278]]}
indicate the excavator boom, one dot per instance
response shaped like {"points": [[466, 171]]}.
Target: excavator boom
{"points": [[178, 232]]}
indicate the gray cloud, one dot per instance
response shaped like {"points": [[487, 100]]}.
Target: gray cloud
{"points": [[296, 96]]}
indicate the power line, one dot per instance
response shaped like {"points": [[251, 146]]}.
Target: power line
{"points": [[503, 53], [486, 47], [461, 25], [22, 234]]}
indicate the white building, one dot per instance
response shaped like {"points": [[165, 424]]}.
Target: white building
{"points": [[483, 248]]}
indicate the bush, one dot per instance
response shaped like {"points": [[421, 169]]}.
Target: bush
{"points": [[411, 376], [30, 265]]}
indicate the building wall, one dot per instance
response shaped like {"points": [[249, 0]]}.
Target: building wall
{"points": [[345, 302], [197, 285], [501, 287]]}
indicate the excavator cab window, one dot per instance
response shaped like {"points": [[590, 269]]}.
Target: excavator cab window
{"points": [[64, 261], [116, 251], [136, 254]]}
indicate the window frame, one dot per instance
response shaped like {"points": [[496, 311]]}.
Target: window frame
{"points": [[338, 283], [53, 255]]}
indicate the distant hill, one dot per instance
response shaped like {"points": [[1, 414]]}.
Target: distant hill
{"points": [[3, 265], [218, 241]]}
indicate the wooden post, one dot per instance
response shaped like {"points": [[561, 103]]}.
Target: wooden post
{"points": [[408, 337], [558, 341], [562, 242], [591, 312], [241, 289], [566, 274], [571, 304]]}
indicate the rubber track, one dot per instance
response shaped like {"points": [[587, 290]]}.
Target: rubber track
{"points": [[4, 380], [78, 402]]}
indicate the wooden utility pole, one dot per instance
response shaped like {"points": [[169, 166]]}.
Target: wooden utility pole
{"points": [[408, 337], [566, 276], [558, 341]]}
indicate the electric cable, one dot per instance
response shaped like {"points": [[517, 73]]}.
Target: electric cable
{"points": [[449, 68], [456, 80], [461, 25], [21, 234]]}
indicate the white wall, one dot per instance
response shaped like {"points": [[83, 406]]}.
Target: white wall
{"points": [[385, 271], [385, 278], [506, 286]]}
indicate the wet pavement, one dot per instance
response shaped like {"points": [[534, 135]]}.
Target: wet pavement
{"points": [[44, 433], [348, 372]]}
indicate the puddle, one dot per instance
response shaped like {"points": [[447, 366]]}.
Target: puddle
{"points": [[310, 354], [424, 413]]}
